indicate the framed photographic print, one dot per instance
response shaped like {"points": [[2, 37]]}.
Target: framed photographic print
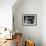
{"points": [[29, 19]]}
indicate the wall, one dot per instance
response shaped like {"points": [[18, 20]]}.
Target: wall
{"points": [[43, 22], [6, 13], [29, 32]]}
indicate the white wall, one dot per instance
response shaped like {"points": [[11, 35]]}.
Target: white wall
{"points": [[28, 7], [43, 22], [6, 13]]}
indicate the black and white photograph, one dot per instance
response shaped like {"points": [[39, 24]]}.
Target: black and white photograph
{"points": [[29, 19]]}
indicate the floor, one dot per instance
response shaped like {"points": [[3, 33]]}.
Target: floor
{"points": [[16, 41], [9, 43]]}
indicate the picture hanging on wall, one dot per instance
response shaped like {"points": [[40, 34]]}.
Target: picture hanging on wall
{"points": [[29, 19]]}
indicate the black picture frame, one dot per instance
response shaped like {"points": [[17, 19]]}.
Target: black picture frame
{"points": [[29, 19]]}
